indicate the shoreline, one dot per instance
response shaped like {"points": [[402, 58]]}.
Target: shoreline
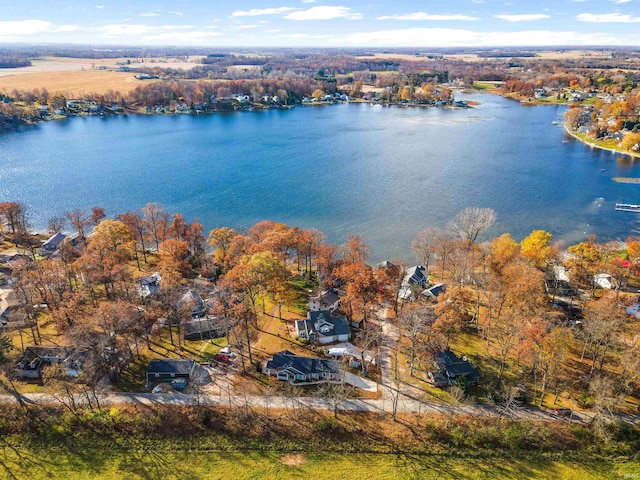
{"points": [[593, 145]]}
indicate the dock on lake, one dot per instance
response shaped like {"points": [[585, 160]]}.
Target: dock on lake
{"points": [[627, 207]]}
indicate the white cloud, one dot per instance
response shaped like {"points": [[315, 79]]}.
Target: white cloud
{"points": [[67, 28], [477, 1], [176, 13], [619, 2], [149, 14], [244, 27], [607, 18], [323, 13], [254, 12], [308, 1], [527, 17], [123, 29], [274, 30], [448, 37], [23, 27], [99, 7], [426, 16]]}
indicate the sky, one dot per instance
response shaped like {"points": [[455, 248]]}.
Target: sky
{"points": [[322, 23]]}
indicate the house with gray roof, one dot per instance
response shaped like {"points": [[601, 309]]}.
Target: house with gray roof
{"points": [[415, 279], [168, 369], [193, 299], [52, 244], [327, 300], [321, 327], [299, 370], [149, 285], [205, 328], [449, 368]]}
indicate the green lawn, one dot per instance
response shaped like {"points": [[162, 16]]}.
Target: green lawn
{"points": [[157, 461]]}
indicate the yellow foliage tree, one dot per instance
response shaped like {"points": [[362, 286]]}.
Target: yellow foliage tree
{"points": [[536, 247]]}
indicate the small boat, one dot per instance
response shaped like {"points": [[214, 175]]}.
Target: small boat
{"points": [[565, 141], [627, 207]]}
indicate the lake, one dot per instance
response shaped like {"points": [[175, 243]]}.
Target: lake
{"points": [[381, 172]]}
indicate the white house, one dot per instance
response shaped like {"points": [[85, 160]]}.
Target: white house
{"points": [[604, 280]]}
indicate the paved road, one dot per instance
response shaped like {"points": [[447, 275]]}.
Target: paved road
{"points": [[406, 404]]}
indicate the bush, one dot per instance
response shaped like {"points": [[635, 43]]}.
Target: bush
{"points": [[325, 425], [584, 400]]}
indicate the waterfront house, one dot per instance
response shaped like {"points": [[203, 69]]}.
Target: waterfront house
{"points": [[298, 370], [415, 278], [322, 328], [52, 244]]}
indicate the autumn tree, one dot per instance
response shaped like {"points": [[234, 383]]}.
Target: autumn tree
{"points": [[78, 218], [536, 248], [453, 311], [156, 221]]}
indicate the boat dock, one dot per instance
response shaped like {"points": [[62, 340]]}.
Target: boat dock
{"points": [[627, 207]]}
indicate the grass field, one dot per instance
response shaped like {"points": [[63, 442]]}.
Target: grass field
{"points": [[167, 463], [72, 83]]}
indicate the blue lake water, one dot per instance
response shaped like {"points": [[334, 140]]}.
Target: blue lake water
{"points": [[382, 172]]}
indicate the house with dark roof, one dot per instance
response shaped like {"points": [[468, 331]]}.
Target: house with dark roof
{"points": [[327, 300], [52, 244], [449, 368], [167, 369], [205, 328], [415, 279], [432, 293], [321, 327], [299, 370], [35, 357]]}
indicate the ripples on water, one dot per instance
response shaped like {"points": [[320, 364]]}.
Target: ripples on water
{"points": [[384, 173]]}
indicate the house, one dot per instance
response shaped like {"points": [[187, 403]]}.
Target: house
{"points": [[604, 280], [193, 299], [166, 369], [449, 368], [321, 327], [149, 285], [205, 328], [36, 356], [327, 300], [414, 278], [50, 246], [299, 370], [6, 277], [432, 293], [349, 349]]}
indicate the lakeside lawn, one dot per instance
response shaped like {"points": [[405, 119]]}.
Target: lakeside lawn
{"points": [[161, 461]]}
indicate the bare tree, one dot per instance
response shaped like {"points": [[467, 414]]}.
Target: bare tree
{"points": [[471, 222]]}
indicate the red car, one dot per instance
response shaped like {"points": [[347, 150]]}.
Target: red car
{"points": [[563, 412], [221, 357]]}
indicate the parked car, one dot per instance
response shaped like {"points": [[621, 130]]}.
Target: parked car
{"points": [[563, 412], [221, 357]]}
